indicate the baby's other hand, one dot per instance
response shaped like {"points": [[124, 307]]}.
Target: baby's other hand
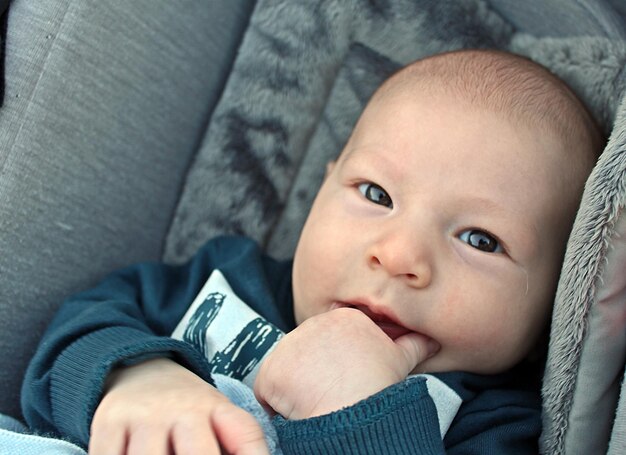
{"points": [[333, 360], [159, 407]]}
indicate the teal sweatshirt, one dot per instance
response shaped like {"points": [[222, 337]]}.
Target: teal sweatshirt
{"points": [[130, 316]]}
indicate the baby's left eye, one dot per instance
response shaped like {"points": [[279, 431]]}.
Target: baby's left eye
{"points": [[376, 194], [481, 240]]}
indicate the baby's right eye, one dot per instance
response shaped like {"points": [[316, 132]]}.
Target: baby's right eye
{"points": [[376, 194], [481, 240]]}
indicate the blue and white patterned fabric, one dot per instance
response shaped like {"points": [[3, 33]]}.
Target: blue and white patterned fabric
{"points": [[233, 337]]}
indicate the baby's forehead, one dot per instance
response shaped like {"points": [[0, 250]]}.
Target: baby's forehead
{"points": [[439, 132], [525, 93], [508, 85]]}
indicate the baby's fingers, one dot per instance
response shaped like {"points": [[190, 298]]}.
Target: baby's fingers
{"points": [[142, 440], [416, 349], [108, 442], [189, 437], [237, 431], [148, 439]]}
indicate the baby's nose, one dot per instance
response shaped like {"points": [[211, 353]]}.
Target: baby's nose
{"points": [[408, 260]]}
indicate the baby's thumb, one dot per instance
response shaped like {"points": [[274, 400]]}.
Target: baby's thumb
{"points": [[237, 431], [416, 349]]}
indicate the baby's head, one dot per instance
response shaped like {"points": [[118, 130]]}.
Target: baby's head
{"points": [[449, 209]]}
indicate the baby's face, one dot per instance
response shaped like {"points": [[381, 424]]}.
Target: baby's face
{"points": [[442, 220]]}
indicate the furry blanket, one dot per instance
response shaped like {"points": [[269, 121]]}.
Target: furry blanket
{"points": [[303, 74]]}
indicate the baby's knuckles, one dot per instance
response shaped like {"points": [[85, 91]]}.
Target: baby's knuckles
{"points": [[348, 326], [331, 360], [164, 396]]}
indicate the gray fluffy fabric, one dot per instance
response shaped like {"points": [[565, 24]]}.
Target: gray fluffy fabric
{"points": [[303, 74]]}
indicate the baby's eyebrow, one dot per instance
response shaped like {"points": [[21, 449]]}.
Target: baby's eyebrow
{"points": [[374, 155]]}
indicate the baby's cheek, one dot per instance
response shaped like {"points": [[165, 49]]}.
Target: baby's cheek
{"points": [[485, 313], [479, 342], [464, 321], [469, 336]]}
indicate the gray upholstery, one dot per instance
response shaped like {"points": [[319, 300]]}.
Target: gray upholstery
{"points": [[106, 102], [562, 18], [111, 150]]}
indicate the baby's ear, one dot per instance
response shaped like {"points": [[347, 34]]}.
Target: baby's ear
{"points": [[329, 168]]}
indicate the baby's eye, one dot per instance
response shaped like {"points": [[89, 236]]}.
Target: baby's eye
{"points": [[481, 240], [376, 194]]}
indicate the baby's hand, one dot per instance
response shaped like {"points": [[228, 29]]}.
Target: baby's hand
{"points": [[334, 360], [159, 407]]}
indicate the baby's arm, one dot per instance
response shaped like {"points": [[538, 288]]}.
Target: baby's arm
{"points": [[171, 407], [334, 360], [124, 321], [341, 361], [328, 364]]}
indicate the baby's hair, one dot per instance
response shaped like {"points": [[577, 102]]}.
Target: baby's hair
{"points": [[510, 85]]}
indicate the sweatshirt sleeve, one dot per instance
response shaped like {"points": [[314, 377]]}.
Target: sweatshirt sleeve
{"points": [[401, 419], [127, 318]]}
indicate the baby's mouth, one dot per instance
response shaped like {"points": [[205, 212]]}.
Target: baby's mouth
{"points": [[392, 330]]}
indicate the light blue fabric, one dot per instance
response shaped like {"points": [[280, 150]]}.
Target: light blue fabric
{"points": [[243, 396], [15, 440]]}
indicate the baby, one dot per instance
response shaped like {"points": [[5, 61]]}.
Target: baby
{"points": [[434, 246]]}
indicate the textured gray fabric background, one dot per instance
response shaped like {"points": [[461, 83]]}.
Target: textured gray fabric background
{"points": [[106, 102], [587, 342]]}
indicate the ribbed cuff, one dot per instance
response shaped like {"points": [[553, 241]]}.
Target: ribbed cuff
{"points": [[401, 419], [80, 371]]}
